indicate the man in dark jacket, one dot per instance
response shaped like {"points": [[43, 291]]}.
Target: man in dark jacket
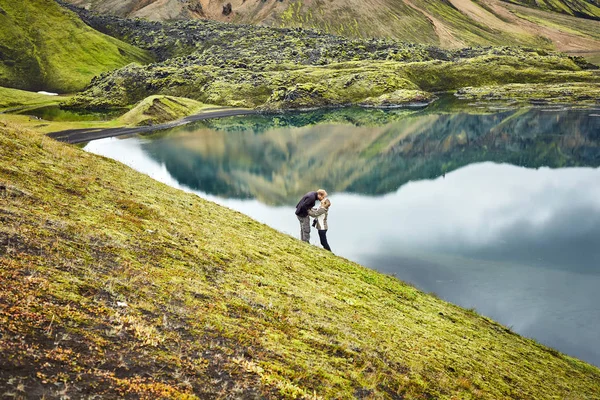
{"points": [[304, 207]]}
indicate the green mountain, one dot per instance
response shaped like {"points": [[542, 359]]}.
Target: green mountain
{"points": [[46, 47], [113, 285]]}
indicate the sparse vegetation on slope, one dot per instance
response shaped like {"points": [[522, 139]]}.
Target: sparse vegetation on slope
{"points": [[148, 9], [159, 109], [449, 24], [46, 47], [114, 285], [578, 8]]}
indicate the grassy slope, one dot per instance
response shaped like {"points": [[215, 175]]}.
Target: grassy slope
{"points": [[148, 9], [14, 98], [561, 23], [579, 8], [115, 285], [151, 110], [46, 47], [159, 109]]}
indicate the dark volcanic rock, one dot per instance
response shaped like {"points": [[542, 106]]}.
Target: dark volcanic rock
{"points": [[227, 9], [196, 6]]}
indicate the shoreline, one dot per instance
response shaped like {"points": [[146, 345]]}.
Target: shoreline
{"points": [[75, 136], [82, 135]]}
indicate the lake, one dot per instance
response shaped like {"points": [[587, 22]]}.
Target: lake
{"points": [[492, 209]]}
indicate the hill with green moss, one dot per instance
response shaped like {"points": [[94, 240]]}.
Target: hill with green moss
{"points": [[15, 98], [251, 66], [113, 285], [160, 109], [44, 46]]}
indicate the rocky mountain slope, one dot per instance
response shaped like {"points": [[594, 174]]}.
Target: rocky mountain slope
{"points": [[251, 66], [450, 23], [157, 10], [578, 8], [46, 47]]}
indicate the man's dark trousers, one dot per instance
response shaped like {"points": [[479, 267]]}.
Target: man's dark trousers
{"points": [[304, 228], [306, 203]]}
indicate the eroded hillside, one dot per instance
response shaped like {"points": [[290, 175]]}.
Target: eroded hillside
{"points": [[450, 24]]}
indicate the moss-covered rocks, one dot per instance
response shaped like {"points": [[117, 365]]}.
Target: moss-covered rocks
{"points": [[260, 67], [399, 98], [340, 84], [566, 93]]}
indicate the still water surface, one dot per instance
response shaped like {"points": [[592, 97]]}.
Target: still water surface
{"points": [[497, 211]]}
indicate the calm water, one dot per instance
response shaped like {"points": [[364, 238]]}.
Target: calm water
{"points": [[498, 211]]}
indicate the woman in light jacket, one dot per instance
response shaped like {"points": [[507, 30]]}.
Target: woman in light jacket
{"points": [[320, 222]]}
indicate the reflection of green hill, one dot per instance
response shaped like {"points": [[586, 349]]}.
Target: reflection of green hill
{"points": [[278, 158]]}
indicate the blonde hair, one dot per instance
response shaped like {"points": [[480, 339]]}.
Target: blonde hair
{"points": [[326, 203], [322, 192]]}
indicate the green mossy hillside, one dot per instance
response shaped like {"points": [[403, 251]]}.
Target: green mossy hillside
{"points": [[451, 24], [13, 98], [46, 47], [218, 43], [566, 93], [340, 84], [159, 109], [113, 285]]}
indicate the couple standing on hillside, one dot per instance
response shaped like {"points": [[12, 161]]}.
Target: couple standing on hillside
{"points": [[305, 210]]}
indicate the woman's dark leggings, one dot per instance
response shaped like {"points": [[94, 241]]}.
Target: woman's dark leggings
{"points": [[323, 237]]}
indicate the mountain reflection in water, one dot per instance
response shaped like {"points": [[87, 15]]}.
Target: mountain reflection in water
{"points": [[264, 157], [462, 205]]}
